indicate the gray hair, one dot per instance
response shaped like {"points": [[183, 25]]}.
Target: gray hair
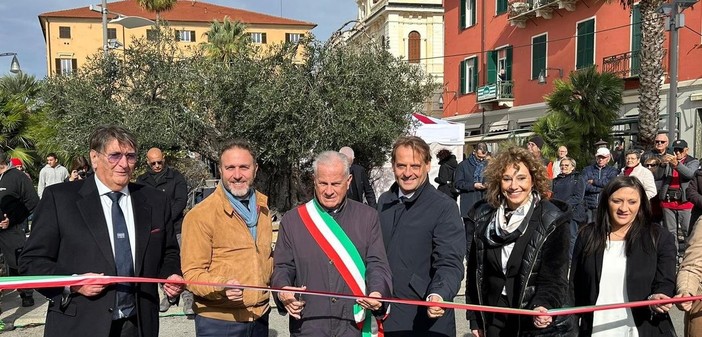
{"points": [[348, 152], [571, 160], [106, 133], [635, 152], [329, 157]]}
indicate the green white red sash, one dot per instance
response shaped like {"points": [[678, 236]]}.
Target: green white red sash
{"points": [[346, 258]]}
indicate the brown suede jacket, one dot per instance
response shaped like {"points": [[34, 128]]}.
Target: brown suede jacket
{"points": [[217, 247]]}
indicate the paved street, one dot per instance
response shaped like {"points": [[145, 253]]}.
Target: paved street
{"points": [[29, 321]]}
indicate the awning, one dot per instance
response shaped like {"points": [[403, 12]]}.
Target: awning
{"points": [[499, 126], [499, 137]]}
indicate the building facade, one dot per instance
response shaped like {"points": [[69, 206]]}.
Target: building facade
{"points": [[410, 29], [72, 35], [496, 50]]}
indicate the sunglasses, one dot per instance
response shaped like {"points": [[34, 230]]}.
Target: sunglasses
{"points": [[114, 158], [660, 141], [651, 165], [154, 163]]}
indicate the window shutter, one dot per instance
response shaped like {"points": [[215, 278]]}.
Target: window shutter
{"points": [[177, 35], [74, 65], [263, 37], [473, 11], [462, 24], [538, 57], [192, 36], [508, 64], [474, 83], [586, 41], [58, 66], [287, 37], [462, 77], [501, 6], [491, 66], [414, 47]]}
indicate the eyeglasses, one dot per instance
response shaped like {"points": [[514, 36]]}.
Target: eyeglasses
{"points": [[661, 141], [601, 157], [114, 158], [154, 163], [651, 165]]}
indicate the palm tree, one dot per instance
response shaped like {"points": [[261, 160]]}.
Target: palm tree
{"points": [[227, 39], [157, 6], [581, 110], [651, 69], [18, 120]]}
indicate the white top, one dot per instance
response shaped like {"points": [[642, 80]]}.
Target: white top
{"points": [[125, 203], [615, 322], [49, 176]]}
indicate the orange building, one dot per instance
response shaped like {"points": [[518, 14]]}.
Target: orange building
{"points": [[495, 51], [74, 34]]}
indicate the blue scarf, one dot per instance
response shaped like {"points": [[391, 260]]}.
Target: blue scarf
{"points": [[479, 165], [250, 214]]}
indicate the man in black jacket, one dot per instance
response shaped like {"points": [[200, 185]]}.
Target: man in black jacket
{"points": [[360, 186], [17, 199], [425, 243], [170, 181]]}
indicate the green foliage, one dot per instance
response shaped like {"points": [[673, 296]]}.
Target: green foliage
{"points": [[20, 117], [227, 39], [581, 111], [358, 96]]}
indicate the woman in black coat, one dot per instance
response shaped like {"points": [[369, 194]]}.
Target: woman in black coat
{"points": [[569, 187], [519, 255], [447, 167], [621, 250]]}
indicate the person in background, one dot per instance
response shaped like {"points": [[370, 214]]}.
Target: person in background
{"points": [[52, 173], [623, 256], [652, 163], [597, 176], [519, 252], [19, 165], [361, 187], [447, 167], [556, 164], [471, 190], [569, 187], [534, 146], [79, 169], [634, 168]]}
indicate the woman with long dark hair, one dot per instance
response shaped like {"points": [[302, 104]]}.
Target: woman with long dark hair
{"points": [[621, 257], [519, 255]]}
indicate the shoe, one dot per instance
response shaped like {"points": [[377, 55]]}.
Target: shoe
{"points": [[163, 307], [6, 326], [27, 301]]}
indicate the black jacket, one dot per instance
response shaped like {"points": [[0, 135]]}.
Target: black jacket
{"points": [[570, 188], [537, 270], [361, 187], [17, 196], [445, 179], [425, 243], [465, 183], [647, 272], [176, 189]]}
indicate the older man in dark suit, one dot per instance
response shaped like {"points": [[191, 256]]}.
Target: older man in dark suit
{"points": [[104, 226]]}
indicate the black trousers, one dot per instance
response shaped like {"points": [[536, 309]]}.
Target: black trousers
{"points": [[125, 327]]}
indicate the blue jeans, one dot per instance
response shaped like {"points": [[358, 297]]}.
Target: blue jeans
{"points": [[209, 327]]}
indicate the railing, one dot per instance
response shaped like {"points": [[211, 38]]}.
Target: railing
{"points": [[623, 65], [500, 91], [520, 11]]}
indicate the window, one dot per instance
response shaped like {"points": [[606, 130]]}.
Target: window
{"points": [[292, 37], [64, 32], [66, 66], [635, 40], [111, 33], [468, 17], [258, 37], [469, 75], [414, 47], [538, 55], [501, 6], [585, 44], [151, 35], [499, 65], [185, 35]]}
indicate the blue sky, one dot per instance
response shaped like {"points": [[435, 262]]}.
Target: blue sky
{"points": [[20, 31]]}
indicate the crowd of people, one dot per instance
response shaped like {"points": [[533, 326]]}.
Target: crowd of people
{"points": [[537, 235]]}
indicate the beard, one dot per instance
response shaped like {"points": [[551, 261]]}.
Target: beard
{"points": [[238, 192]]}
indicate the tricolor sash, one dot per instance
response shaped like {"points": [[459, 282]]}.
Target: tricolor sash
{"points": [[346, 258]]}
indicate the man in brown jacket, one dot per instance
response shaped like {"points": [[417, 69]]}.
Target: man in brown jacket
{"points": [[227, 239]]}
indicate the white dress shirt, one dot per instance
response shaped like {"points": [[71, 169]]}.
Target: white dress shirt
{"points": [[125, 203]]}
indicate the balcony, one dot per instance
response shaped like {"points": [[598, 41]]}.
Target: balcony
{"points": [[626, 65], [521, 11], [500, 92]]}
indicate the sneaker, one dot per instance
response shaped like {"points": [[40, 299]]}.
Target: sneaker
{"points": [[27, 301], [6, 326], [163, 307], [188, 303]]}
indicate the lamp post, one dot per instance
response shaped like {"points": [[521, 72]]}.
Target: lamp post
{"points": [[674, 20], [14, 65], [126, 21]]}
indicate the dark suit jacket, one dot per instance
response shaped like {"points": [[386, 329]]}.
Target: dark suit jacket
{"points": [[647, 272], [361, 186], [69, 236], [425, 243], [176, 188]]}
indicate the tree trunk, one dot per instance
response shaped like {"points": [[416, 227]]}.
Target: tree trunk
{"points": [[651, 57]]}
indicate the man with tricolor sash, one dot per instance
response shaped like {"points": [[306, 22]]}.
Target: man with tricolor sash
{"points": [[332, 244]]}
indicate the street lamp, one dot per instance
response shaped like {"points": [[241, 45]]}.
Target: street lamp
{"points": [[542, 74], [674, 20], [128, 22], [14, 65]]}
